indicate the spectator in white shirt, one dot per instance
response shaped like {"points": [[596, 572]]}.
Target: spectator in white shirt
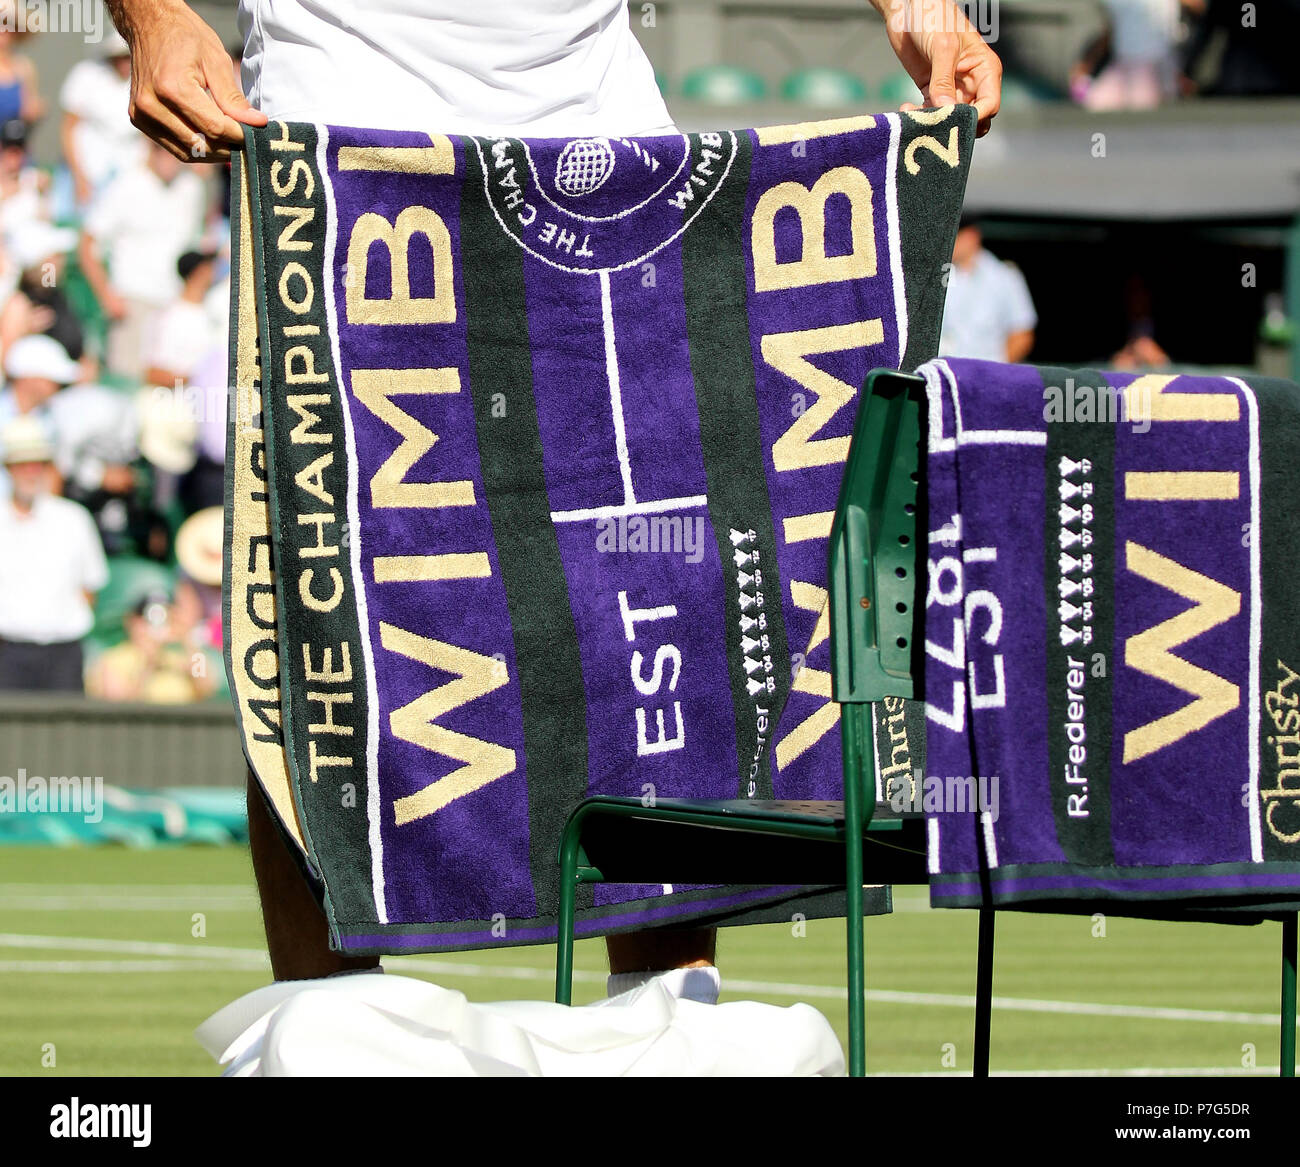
{"points": [[204, 485], [989, 314], [185, 330], [1142, 69], [36, 301], [24, 187], [36, 367], [94, 431], [96, 132], [52, 566], [146, 219]]}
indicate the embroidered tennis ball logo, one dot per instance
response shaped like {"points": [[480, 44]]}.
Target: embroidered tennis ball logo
{"points": [[602, 204], [584, 166]]}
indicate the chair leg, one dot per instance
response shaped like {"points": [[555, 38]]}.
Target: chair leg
{"points": [[983, 993], [1287, 1061], [565, 922], [857, 961]]}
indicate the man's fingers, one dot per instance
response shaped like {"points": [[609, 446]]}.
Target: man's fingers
{"points": [[194, 105], [942, 89], [235, 105], [988, 98], [179, 139], [152, 118], [226, 94]]}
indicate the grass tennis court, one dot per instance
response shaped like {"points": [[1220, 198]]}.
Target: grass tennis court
{"points": [[97, 957]]}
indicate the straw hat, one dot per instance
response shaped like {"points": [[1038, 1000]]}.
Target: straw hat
{"points": [[168, 430], [199, 545], [25, 440]]}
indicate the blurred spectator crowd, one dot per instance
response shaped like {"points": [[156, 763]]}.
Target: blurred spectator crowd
{"points": [[1154, 51], [114, 285]]}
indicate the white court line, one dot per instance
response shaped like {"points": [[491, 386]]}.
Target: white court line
{"points": [[115, 966], [74, 903], [104, 889], [733, 984], [197, 951], [1127, 1072]]}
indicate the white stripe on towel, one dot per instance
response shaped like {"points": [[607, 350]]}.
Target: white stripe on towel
{"points": [[615, 389], [374, 812], [1252, 738]]}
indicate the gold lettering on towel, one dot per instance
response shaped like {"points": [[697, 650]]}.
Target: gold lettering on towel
{"points": [[801, 528], [1182, 485], [1150, 652], [375, 389], [311, 478], [1146, 399], [308, 597], [447, 565], [814, 266], [811, 131], [816, 682], [399, 306], [438, 158], [788, 353], [304, 431], [417, 722], [298, 217]]}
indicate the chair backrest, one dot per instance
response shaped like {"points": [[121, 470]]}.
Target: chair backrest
{"points": [[873, 574], [873, 545]]}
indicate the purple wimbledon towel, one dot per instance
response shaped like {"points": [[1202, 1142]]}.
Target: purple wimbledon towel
{"points": [[1113, 701], [531, 482]]}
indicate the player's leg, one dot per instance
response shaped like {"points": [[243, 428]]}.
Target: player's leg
{"points": [[297, 936], [636, 957], [658, 949]]}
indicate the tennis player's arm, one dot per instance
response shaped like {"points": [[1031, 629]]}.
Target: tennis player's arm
{"points": [[944, 54], [183, 89]]}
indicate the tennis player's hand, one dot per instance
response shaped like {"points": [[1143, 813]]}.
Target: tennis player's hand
{"points": [[184, 94], [944, 54]]}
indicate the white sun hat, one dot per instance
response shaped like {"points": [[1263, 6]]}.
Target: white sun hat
{"points": [[41, 356]]}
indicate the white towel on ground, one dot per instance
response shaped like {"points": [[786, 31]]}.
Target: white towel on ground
{"points": [[383, 1025]]}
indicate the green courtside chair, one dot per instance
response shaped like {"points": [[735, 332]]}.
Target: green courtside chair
{"points": [[874, 654], [724, 85], [897, 89], [832, 88], [846, 843]]}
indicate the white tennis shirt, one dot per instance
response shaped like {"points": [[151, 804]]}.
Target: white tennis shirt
{"points": [[560, 68]]}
